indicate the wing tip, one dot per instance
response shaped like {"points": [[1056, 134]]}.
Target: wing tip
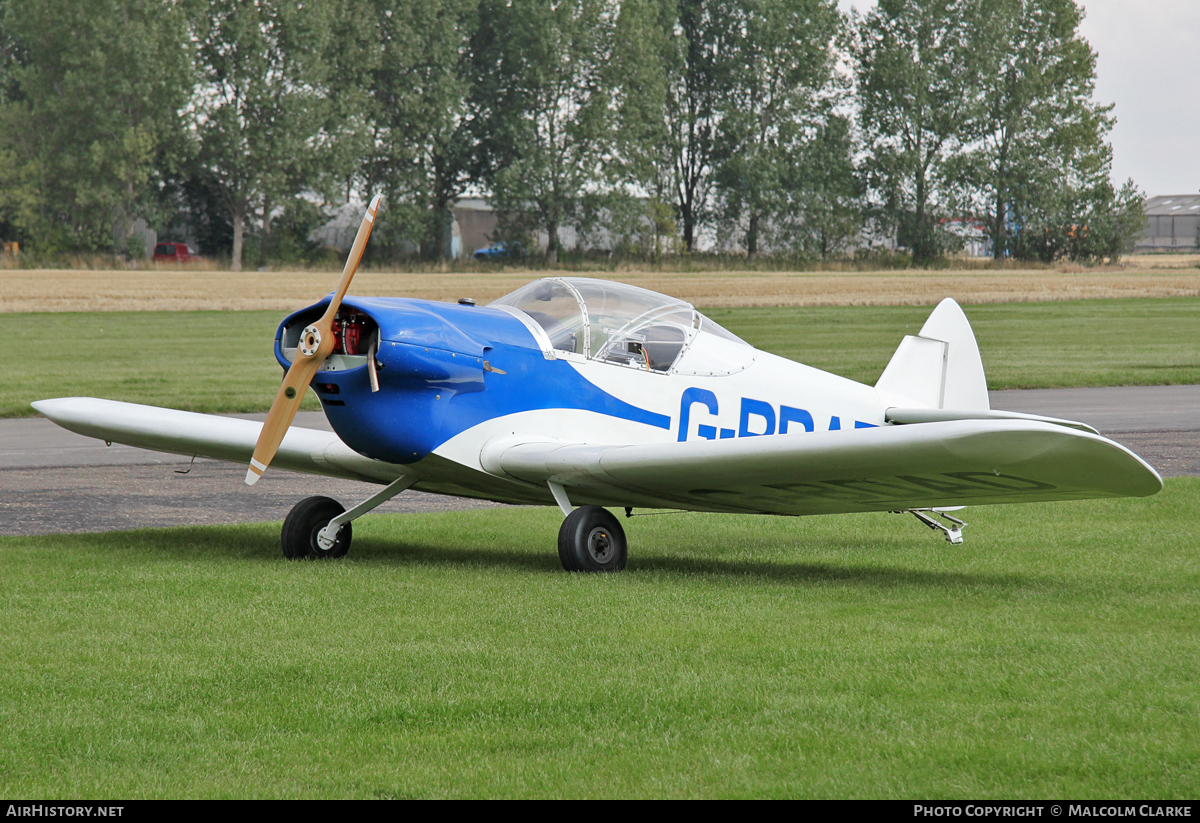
{"points": [[60, 409]]}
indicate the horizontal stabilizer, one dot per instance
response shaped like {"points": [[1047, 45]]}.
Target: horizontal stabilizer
{"points": [[922, 415], [208, 435]]}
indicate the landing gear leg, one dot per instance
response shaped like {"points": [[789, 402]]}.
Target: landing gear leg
{"points": [[952, 532], [327, 537], [320, 526]]}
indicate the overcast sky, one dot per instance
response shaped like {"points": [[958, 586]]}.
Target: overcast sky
{"points": [[1149, 65]]}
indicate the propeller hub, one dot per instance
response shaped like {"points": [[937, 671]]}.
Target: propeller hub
{"points": [[310, 341]]}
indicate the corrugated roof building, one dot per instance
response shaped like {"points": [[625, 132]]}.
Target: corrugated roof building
{"points": [[1172, 223]]}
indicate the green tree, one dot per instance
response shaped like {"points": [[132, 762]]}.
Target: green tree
{"points": [[669, 70], [262, 106], [920, 80], [824, 191], [545, 106], [1086, 224], [694, 111], [644, 54], [90, 116], [412, 77], [639, 172], [781, 78], [1125, 220], [1040, 134]]}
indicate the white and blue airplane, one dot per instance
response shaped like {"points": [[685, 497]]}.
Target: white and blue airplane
{"points": [[594, 395]]}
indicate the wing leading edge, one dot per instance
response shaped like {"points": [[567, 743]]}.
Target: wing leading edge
{"points": [[953, 463], [207, 435]]}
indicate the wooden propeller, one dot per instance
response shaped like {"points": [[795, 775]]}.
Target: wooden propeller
{"points": [[316, 343]]}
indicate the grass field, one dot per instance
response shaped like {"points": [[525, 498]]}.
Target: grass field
{"points": [[1059, 344], [204, 290], [201, 361], [1053, 655], [222, 361]]}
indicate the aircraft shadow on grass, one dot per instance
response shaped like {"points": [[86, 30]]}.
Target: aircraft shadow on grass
{"points": [[223, 543]]}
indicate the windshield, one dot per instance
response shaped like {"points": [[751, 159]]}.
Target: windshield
{"points": [[613, 322], [553, 306]]}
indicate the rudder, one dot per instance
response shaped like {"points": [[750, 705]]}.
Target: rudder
{"points": [[940, 367]]}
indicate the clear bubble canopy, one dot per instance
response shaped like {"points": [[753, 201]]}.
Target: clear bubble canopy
{"points": [[612, 322]]}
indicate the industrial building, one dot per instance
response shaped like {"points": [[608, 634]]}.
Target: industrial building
{"points": [[1172, 223]]}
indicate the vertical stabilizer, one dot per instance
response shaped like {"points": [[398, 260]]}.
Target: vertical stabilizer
{"points": [[940, 367]]}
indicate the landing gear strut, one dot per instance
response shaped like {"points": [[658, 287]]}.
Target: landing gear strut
{"points": [[952, 530], [320, 526]]}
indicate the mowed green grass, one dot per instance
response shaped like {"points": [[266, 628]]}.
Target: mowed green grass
{"points": [[203, 361], [222, 361], [1061, 344], [1054, 654]]}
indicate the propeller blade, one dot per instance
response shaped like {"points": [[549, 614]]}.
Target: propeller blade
{"points": [[316, 343]]}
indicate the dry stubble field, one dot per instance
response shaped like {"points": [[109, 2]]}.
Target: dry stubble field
{"points": [[188, 289]]}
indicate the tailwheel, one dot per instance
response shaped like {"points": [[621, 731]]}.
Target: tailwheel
{"points": [[591, 540], [305, 521]]}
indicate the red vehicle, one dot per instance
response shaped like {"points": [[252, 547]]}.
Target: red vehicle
{"points": [[173, 253]]}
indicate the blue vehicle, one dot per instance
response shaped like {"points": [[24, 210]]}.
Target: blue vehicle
{"points": [[500, 251], [589, 394]]}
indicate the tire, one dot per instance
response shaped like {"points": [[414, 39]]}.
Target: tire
{"points": [[309, 516], [591, 540]]}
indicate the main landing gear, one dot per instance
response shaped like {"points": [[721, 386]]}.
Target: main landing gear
{"points": [[320, 527], [590, 539]]}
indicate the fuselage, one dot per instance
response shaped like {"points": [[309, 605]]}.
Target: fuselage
{"points": [[453, 377]]}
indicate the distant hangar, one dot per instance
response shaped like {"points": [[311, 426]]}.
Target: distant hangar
{"points": [[1172, 223]]}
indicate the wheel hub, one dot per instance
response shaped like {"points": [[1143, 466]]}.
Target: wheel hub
{"points": [[323, 542], [599, 545]]}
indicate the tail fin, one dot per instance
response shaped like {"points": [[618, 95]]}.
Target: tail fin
{"points": [[940, 368]]}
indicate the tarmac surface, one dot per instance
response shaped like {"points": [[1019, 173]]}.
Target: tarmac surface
{"points": [[54, 481]]}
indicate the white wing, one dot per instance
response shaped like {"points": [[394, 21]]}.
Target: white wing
{"points": [[962, 462], [207, 435], [878, 469]]}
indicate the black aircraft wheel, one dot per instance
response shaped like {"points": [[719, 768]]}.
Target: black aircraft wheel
{"points": [[303, 522], [592, 540]]}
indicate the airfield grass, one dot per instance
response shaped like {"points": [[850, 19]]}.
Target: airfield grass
{"points": [[222, 361], [1054, 654], [1060, 344], [204, 361]]}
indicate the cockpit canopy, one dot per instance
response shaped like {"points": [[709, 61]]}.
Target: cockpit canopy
{"points": [[613, 322]]}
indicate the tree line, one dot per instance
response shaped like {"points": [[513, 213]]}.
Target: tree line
{"points": [[771, 126]]}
